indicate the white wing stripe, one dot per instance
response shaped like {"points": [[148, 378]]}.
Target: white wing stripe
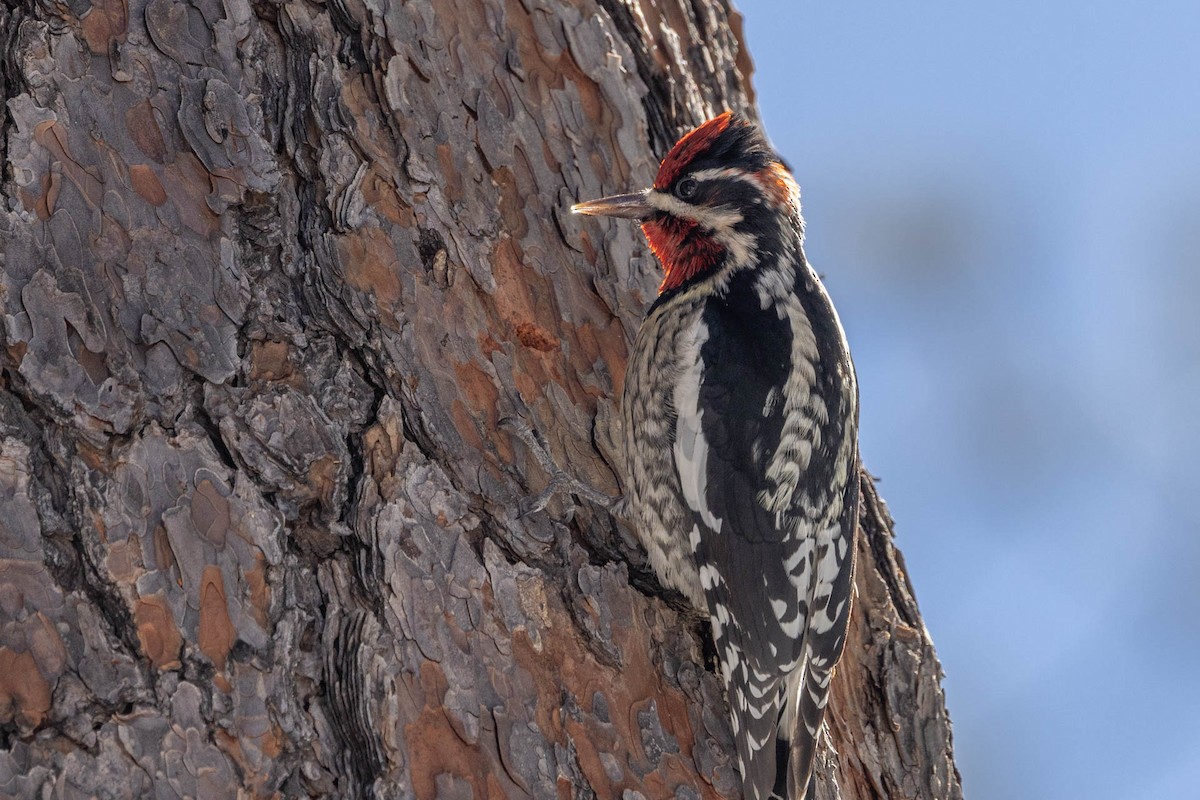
{"points": [[691, 448]]}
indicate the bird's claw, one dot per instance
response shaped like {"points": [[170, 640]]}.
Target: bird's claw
{"points": [[560, 481], [532, 441], [532, 505]]}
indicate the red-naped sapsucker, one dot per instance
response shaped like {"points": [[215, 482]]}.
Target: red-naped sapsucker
{"points": [[740, 410]]}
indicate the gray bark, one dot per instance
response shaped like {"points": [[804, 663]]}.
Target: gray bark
{"points": [[270, 274]]}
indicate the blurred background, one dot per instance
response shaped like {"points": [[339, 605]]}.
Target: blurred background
{"points": [[1005, 202]]}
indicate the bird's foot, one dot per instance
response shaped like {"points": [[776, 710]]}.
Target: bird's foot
{"points": [[560, 480]]}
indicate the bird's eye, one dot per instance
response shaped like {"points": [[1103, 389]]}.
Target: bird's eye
{"points": [[686, 189]]}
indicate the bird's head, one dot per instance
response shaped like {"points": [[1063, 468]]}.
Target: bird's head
{"points": [[720, 202]]}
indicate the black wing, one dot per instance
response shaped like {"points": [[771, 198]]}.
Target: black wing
{"points": [[731, 414]]}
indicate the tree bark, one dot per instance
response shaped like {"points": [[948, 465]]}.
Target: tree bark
{"points": [[271, 273]]}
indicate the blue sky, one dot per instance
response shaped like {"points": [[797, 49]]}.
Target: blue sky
{"points": [[1005, 202]]}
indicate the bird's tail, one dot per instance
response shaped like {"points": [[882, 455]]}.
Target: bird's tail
{"points": [[799, 729]]}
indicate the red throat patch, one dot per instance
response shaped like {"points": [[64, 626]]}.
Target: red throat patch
{"points": [[683, 249], [691, 145]]}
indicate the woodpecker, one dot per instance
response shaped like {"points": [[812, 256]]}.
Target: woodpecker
{"points": [[740, 409]]}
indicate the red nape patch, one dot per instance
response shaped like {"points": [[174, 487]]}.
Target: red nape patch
{"points": [[685, 251], [778, 185], [691, 145]]}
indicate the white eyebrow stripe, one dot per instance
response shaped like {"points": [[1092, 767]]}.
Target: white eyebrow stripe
{"points": [[727, 172]]}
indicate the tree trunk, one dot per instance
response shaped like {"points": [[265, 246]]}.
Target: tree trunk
{"points": [[271, 274]]}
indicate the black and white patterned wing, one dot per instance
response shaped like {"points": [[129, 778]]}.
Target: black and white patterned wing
{"points": [[755, 575]]}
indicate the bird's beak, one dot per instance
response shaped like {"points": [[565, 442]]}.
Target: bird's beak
{"points": [[626, 206]]}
